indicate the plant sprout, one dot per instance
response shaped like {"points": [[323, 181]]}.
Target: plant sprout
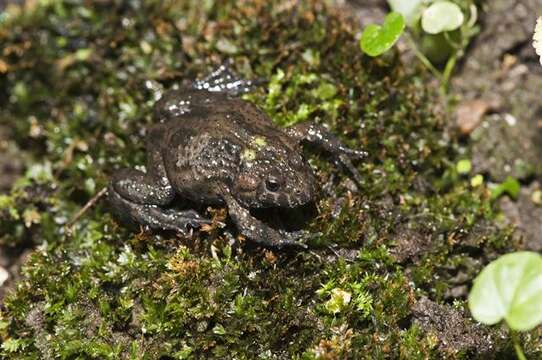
{"points": [[510, 289], [439, 31], [510, 186]]}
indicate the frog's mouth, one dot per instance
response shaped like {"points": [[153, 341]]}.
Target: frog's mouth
{"points": [[288, 219]]}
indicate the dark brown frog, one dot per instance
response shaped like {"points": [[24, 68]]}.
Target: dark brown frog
{"points": [[212, 147]]}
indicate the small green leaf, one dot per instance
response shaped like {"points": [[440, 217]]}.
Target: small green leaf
{"points": [[477, 180], [464, 166], [410, 9], [509, 288], [325, 91], [377, 39], [442, 16], [219, 330], [510, 186], [338, 301], [83, 54], [12, 345]]}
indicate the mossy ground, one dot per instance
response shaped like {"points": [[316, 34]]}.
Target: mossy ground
{"points": [[77, 84]]}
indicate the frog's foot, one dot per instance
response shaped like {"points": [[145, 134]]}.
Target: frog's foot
{"points": [[261, 233], [153, 216], [323, 138], [224, 80], [344, 159], [294, 239]]}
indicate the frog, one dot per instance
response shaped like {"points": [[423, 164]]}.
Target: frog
{"points": [[209, 146]]}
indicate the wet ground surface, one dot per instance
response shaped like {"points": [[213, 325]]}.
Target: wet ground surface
{"points": [[499, 113], [500, 109], [503, 70], [452, 328]]}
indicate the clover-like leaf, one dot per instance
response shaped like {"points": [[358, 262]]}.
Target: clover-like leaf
{"points": [[509, 288], [410, 9], [377, 39], [442, 16]]}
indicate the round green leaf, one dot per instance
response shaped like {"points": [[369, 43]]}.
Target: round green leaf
{"points": [[442, 16], [377, 39], [410, 9], [509, 288]]}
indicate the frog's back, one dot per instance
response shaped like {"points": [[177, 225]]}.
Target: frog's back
{"points": [[195, 103], [202, 142], [192, 112]]}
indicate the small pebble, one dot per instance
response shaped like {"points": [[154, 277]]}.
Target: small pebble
{"points": [[469, 114]]}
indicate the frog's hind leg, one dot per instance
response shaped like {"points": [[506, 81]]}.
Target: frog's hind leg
{"points": [[224, 80], [137, 198], [153, 216]]}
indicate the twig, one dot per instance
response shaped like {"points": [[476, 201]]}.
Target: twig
{"points": [[84, 209]]}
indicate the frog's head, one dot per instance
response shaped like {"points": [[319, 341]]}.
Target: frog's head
{"points": [[275, 181]]}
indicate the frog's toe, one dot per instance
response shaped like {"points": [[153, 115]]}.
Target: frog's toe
{"points": [[295, 239], [292, 244], [346, 162], [279, 239], [356, 154], [184, 220]]}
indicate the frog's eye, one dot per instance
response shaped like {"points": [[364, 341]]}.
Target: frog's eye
{"points": [[272, 184]]}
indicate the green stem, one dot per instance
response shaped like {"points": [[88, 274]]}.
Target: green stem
{"points": [[517, 346], [448, 70], [424, 60]]}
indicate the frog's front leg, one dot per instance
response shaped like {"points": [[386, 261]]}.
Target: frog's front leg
{"points": [[257, 231], [137, 198], [324, 139]]}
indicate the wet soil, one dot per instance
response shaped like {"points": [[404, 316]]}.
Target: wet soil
{"points": [[452, 329], [499, 115], [502, 69]]}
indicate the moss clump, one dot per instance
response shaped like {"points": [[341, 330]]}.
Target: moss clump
{"points": [[78, 86]]}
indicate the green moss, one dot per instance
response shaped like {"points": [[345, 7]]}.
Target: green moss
{"points": [[80, 79]]}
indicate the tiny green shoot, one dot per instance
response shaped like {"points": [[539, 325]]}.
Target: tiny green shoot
{"points": [[510, 289], [509, 186], [438, 33], [377, 39]]}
